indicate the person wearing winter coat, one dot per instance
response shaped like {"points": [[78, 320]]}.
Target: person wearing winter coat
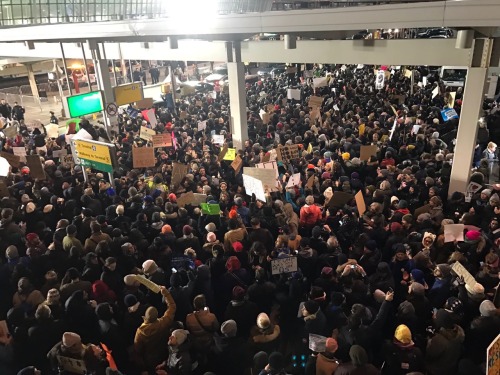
{"points": [[401, 355], [231, 349], [242, 311], [445, 347], [310, 214], [71, 346], [315, 320], [179, 357], [265, 335], [202, 325], [152, 334], [358, 365]]}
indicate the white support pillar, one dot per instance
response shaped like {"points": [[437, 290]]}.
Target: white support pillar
{"points": [[103, 79], [467, 129], [237, 95]]}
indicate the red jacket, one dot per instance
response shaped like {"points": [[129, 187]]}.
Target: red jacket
{"points": [[310, 215]]}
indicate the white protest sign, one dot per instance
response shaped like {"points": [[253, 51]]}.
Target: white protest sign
{"points": [[218, 139], [293, 94], [462, 271], [52, 130], [202, 125], [380, 80], [267, 177], [473, 187], [453, 232], [294, 180], [320, 82], [283, 265], [270, 164], [254, 186], [152, 117], [435, 92], [336, 107], [4, 167], [393, 129], [415, 129]]}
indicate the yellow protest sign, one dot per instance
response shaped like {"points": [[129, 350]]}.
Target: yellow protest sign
{"points": [[230, 154], [362, 129]]}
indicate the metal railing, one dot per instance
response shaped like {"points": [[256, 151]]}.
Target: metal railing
{"points": [[17, 13]]}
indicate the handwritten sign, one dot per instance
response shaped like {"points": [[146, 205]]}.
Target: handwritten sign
{"points": [[210, 209], [283, 265], [493, 357], [230, 154], [147, 134], [218, 139], [143, 157], [222, 153], [294, 180], [10, 132], [293, 94], [287, 153], [202, 125], [266, 176], [237, 164], [320, 82], [162, 140], [21, 152], [315, 101], [453, 232], [462, 271], [179, 171], [198, 199], [254, 186]]}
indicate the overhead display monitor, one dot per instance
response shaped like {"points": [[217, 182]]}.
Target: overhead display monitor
{"points": [[84, 104]]}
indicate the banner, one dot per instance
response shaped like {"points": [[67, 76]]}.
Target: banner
{"points": [[143, 157]]}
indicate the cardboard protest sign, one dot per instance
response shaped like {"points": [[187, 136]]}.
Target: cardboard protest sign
{"points": [[266, 117], [293, 94], [147, 134], [367, 151], [315, 101], [179, 171], [237, 164], [462, 271], [310, 182], [230, 154], [10, 132], [210, 209], [13, 160], [21, 152], [144, 103], [222, 153], [198, 199], [284, 265], [67, 161], [287, 153], [267, 177], [270, 108], [360, 203], [143, 157], [35, 165], [269, 165], [162, 140], [339, 199], [198, 103], [254, 186], [183, 115], [185, 199]]}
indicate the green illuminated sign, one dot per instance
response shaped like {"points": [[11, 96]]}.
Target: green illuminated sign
{"points": [[85, 104]]}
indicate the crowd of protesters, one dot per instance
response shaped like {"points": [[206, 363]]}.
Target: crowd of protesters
{"points": [[373, 293]]}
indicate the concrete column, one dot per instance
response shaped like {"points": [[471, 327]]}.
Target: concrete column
{"points": [[103, 79], [238, 103], [237, 95], [31, 77], [467, 129]]}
